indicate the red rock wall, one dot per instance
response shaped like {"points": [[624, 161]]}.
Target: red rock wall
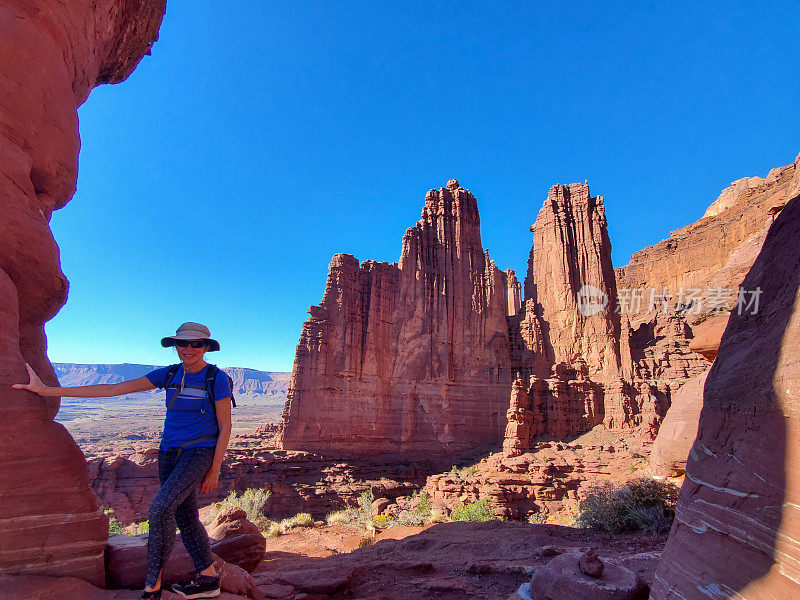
{"points": [[737, 530], [411, 356], [571, 249], [297, 481], [51, 55], [694, 255], [569, 350]]}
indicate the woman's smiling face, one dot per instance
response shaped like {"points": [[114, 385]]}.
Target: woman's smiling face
{"points": [[189, 355]]}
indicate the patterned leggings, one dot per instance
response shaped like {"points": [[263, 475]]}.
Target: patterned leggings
{"points": [[180, 474]]}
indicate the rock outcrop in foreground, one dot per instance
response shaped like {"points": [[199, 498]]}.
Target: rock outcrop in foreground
{"points": [[51, 55], [736, 532]]}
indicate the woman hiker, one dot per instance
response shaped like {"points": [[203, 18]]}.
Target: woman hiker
{"points": [[193, 444]]}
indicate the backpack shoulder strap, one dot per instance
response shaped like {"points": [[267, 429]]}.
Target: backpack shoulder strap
{"points": [[233, 400], [211, 376], [170, 375]]}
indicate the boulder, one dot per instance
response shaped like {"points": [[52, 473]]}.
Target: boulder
{"points": [[379, 505], [126, 555], [679, 429], [235, 580], [126, 562], [562, 579], [318, 579], [43, 587], [590, 564], [644, 564], [236, 539], [707, 336]]}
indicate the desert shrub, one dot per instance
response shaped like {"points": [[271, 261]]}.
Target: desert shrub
{"points": [[114, 526], [424, 505], [537, 518], [359, 517], [340, 516], [437, 516], [418, 515], [409, 518], [142, 527], [473, 511], [366, 541], [365, 500], [641, 504], [381, 521], [281, 527], [252, 501], [303, 520]]}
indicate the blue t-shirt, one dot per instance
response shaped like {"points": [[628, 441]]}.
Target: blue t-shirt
{"points": [[190, 415]]}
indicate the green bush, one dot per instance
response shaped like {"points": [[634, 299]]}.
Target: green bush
{"points": [[114, 526], [418, 515], [641, 504], [299, 520], [473, 511], [424, 506], [365, 501], [303, 520], [252, 501], [537, 518], [143, 527], [381, 521]]}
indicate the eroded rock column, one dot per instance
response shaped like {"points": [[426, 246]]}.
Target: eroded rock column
{"points": [[51, 55]]}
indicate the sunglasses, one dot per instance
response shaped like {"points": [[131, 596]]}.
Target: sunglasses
{"points": [[193, 344]]}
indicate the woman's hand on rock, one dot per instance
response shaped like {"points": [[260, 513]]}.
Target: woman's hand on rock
{"points": [[35, 384], [210, 480]]}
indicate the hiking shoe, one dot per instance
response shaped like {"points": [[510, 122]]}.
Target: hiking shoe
{"points": [[203, 586], [154, 595]]}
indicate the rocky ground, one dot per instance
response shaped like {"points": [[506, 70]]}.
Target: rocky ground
{"points": [[447, 561], [457, 561]]}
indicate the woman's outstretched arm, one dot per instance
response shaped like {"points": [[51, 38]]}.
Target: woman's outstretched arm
{"points": [[85, 391]]}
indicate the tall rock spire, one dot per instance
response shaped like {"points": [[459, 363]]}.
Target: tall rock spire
{"points": [[571, 280], [411, 356]]}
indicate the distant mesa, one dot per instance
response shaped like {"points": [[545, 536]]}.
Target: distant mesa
{"points": [[245, 381]]}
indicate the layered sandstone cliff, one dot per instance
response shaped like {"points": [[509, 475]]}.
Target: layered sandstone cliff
{"points": [[707, 261], [51, 55], [699, 268], [737, 532], [408, 356], [420, 355], [579, 358]]}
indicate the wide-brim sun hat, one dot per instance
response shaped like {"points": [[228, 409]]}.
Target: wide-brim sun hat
{"points": [[191, 331]]}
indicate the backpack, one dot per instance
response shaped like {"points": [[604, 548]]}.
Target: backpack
{"points": [[211, 375]]}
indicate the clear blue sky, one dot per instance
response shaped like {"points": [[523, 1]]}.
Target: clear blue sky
{"points": [[260, 138]]}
